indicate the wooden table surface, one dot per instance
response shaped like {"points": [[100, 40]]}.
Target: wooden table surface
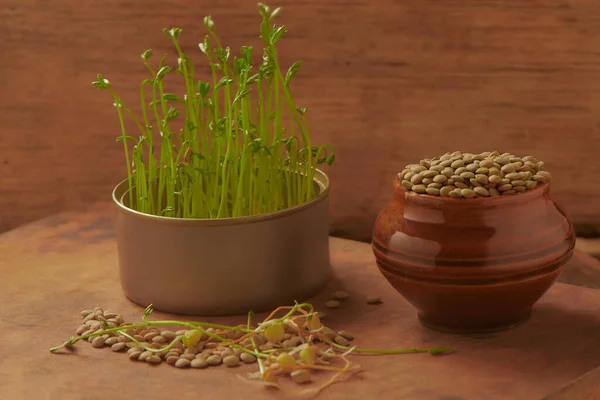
{"points": [[53, 268], [586, 387]]}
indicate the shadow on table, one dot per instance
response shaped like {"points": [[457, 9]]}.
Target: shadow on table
{"points": [[554, 342]]}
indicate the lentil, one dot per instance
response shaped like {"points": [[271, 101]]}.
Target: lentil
{"points": [[182, 363], [301, 376], [231, 361], [332, 304], [340, 295], [474, 174], [374, 300]]}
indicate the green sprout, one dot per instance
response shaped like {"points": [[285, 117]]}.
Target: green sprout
{"points": [[314, 351], [234, 144]]}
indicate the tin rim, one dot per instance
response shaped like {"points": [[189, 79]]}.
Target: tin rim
{"points": [[320, 179]]}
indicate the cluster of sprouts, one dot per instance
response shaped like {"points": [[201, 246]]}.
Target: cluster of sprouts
{"points": [[295, 345], [232, 145]]}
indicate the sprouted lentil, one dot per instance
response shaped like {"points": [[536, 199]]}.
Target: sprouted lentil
{"points": [[295, 345]]}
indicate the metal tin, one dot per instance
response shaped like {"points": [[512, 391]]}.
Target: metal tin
{"points": [[224, 266]]}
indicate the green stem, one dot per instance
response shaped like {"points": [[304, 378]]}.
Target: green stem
{"points": [[125, 147], [167, 149], [295, 308], [410, 350], [243, 159], [161, 172], [222, 212], [151, 157], [297, 118], [261, 364], [215, 137], [150, 349], [193, 325]]}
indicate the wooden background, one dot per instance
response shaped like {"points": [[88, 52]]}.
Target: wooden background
{"points": [[386, 82]]}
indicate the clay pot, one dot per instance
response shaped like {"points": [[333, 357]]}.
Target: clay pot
{"points": [[472, 265], [224, 266]]}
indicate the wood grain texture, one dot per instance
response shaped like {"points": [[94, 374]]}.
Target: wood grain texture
{"points": [[387, 82], [53, 268], [586, 387]]}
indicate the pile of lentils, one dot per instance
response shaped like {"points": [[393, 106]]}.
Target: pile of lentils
{"points": [[468, 175], [208, 351], [296, 345]]}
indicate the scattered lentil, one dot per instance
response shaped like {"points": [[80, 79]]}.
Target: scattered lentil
{"points": [[301, 376], [266, 346], [172, 359], [260, 339], [81, 329], [302, 333], [89, 317], [340, 295], [118, 347], [199, 363], [374, 300], [85, 313], [98, 341], [159, 339], [182, 363], [150, 336], [226, 352], [168, 335], [248, 358], [93, 324], [153, 359], [328, 332], [332, 304], [231, 361], [214, 360], [342, 341]]}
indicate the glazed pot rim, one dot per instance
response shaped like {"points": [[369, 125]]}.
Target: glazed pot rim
{"points": [[320, 178], [430, 199]]}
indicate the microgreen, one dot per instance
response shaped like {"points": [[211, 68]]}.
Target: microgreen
{"points": [[234, 144]]}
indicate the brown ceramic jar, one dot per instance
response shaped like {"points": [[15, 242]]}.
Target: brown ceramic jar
{"points": [[472, 265]]}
